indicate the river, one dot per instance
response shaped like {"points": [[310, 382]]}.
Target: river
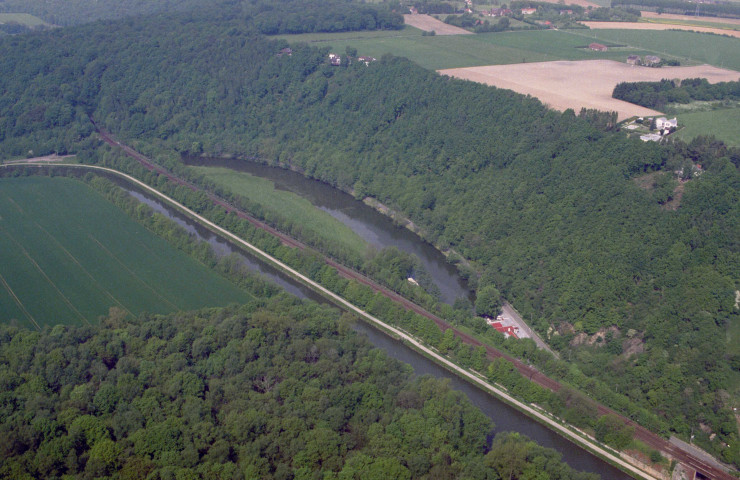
{"points": [[375, 228], [504, 417]]}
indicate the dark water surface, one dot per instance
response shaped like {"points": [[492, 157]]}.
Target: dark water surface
{"points": [[377, 229], [505, 417]]}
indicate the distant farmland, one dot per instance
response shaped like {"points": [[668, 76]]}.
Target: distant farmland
{"points": [[67, 255]]}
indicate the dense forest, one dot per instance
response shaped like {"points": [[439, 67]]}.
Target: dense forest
{"points": [[274, 389], [548, 207], [659, 94]]}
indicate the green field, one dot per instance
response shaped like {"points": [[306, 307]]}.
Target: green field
{"points": [[21, 18], [68, 255], [723, 124], [688, 47], [456, 51], [690, 23], [290, 206]]}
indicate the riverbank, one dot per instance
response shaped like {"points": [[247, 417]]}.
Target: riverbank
{"points": [[586, 443]]}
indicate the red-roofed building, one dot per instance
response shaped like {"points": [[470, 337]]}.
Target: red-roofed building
{"points": [[509, 331]]}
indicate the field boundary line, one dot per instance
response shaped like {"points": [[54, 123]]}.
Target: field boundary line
{"points": [[84, 270], [613, 458], [132, 273], [43, 273], [18, 302]]}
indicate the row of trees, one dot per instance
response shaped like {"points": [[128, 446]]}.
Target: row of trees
{"points": [[659, 94], [272, 389], [541, 202]]}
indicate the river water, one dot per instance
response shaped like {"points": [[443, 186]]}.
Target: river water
{"points": [[504, 417], [375, 228]]}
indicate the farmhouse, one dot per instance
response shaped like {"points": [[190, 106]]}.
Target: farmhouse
{"points": [[634, 60], [528, 11], [663, 123], [651, 60], [499, 12], [597, 47], [366, 60], [335, 59], [285, 51]]}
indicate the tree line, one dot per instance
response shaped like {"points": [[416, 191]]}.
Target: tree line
{"points": [[659, 94]]}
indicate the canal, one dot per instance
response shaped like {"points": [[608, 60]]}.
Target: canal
{"points": [[504, 417]]}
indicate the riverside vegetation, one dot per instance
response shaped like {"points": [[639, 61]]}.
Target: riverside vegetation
{"points": [[543, 204]]}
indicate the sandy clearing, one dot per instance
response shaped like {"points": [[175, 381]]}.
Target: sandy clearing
{"points": [[570, 84], [657, 26], [428, 24], [691, 18]]}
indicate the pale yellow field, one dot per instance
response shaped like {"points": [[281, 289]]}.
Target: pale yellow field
{"points": [[569, 84], [428, 24], [690, 18], [658, 26]]}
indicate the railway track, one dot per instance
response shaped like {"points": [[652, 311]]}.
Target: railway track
{"points": [[646, 436]]}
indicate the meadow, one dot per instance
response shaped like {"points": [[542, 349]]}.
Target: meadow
{"points": [[458, 51], [295, 209], [22, 19], [68, 256], [723, 124]]}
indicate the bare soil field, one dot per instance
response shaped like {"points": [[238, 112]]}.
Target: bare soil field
{"points": [[657, 26], [690, 18], [570, 84], [428, 24], [580, 3]]}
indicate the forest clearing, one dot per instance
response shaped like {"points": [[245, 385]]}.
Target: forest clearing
{"points": [[582, 84]]}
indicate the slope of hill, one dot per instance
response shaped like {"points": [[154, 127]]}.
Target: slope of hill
{"points": [[544, 204]]}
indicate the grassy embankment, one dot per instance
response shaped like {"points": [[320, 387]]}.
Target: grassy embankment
{"points": [[295, 209], [68, 255]]}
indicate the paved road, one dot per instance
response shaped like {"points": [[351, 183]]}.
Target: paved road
{"points": [[653, 440]]}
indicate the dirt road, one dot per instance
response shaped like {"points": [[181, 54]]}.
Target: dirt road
{"points": [[528, 371]]}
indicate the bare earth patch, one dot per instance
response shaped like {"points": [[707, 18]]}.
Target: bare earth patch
{"points": [[690, 18], [428, 24], [657, 26], [575, 84]]}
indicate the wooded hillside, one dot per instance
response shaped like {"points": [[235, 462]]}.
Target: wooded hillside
{"points": [[560, 216]]}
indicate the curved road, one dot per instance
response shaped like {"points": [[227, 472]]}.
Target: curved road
{"points": [[653, 440]]}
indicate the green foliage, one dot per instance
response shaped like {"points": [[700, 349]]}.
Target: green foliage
{"points": [[659, 94], [543, 202], [280, 393], [488, 301], [611, 430]]}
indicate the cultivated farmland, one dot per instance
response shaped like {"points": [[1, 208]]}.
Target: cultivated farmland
{"points": [[68, 255], [431, 24], [589, 84], [659, 26]]}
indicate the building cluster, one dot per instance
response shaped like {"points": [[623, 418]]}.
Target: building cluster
{"points": [[336, 60], [649, 60]]}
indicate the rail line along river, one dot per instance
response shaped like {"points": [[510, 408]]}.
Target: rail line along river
{"points": [[505, 417], [377, 229]]}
